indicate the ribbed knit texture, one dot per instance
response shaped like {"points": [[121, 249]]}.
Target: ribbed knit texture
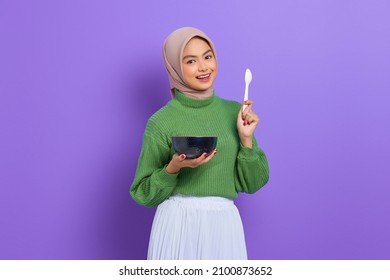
{"points": [[233, 169]]}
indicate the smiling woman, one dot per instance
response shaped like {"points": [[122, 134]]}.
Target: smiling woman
{"points": [[196, 217], [199, 64]]}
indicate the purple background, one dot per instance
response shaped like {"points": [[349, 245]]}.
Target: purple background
{"points": [[79, 79]]}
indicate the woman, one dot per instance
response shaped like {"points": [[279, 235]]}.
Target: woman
{"points": [[196, 217]]}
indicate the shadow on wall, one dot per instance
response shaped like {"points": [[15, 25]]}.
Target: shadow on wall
{"points": [[145, 90]]}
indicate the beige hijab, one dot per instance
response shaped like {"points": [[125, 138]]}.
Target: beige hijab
{"points": [[173, 53]]}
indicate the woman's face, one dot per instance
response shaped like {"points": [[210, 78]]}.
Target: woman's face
{"points": [[199, 64]]}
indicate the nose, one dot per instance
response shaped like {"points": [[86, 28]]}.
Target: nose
{"points": [[202, 66]]}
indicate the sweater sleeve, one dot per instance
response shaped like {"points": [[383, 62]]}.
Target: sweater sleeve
{"points": [[252, 169], [152, 184]]}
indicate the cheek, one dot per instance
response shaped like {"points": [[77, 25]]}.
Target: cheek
{"points": [[214, 65], [214, 69], [187, 72]]}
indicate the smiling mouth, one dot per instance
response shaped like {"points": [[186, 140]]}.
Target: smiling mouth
{"points": [[203, 77]]}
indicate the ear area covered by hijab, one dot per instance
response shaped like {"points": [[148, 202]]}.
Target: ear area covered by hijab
{"points": [[173, 53]]}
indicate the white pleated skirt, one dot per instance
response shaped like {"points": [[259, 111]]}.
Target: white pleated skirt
{"points": [[197, 228]]}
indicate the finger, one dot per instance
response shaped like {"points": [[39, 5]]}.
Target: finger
{"points": [[247, 118], [204, 158], [247, 104], [209, 157], [253, 119], [182, 157], [244, 105], [196, 161], [212, 153]]}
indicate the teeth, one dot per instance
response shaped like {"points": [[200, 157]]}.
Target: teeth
{"points": [[203, 76]]}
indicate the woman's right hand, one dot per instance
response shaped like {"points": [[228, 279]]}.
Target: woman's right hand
{"points": [[179, 161]]}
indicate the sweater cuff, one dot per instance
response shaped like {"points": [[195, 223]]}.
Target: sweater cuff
{"points": [[247, 153], [167, 179]]}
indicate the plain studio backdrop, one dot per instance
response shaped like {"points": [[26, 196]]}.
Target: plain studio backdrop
{"points": [[79, 80]]}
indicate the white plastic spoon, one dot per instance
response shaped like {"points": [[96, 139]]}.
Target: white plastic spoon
{"points": [[248, 79]]}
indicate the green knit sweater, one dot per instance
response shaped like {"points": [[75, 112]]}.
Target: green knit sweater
{"points": [[233, 169]]}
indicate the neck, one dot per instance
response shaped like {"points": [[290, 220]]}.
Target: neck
{"points": [[196, 94], [188, 101]]}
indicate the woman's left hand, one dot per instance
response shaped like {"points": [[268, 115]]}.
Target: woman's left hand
{"points": [[247, 121]]}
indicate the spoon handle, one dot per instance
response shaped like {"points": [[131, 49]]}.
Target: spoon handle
{"points": [[245, 96]]}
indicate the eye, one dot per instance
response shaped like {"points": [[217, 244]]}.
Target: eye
{"points": [[209, 56], [191, 61]]}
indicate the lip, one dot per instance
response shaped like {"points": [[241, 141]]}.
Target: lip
{"points": [[204, 77]]}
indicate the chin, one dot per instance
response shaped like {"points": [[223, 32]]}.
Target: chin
{"points": [[203, 87]]}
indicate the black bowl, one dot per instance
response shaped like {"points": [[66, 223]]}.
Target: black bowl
{"points": [[194, 146]]}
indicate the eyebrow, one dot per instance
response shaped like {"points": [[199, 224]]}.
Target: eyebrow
{"points": [[191, 56]]}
